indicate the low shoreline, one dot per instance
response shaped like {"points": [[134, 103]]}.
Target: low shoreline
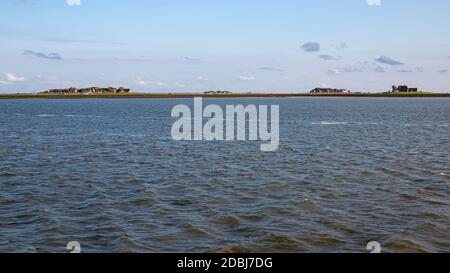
{"points": [[231, 96]]}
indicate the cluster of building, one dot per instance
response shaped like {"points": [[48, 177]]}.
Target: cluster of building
{"points": [[89, 90], [330, 91], [217, 92], [403, 89]]}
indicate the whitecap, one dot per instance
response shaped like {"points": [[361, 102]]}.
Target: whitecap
{"points": [[45, 115]]}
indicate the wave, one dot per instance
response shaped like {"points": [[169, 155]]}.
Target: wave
{"points": [[80, 116], [329, 123]]}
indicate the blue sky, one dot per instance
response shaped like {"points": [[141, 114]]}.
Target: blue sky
{"points": [[238, 45]]}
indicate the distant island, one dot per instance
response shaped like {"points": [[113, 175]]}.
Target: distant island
{"points": [[122, 92]]}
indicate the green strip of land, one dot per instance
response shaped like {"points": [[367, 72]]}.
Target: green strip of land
{"points": [[237, 95]]}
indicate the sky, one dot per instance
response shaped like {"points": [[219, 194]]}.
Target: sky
{"points": [[236, 45]]}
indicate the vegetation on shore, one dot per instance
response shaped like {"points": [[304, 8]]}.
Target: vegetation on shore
{"points": [[235, 95], [409, 94]]}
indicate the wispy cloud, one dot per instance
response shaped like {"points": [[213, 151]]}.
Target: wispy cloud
{"points": [[358, 67], [142, 82], [374, 2], [191, 59], [73, 2], [271, 69], [388, 61], [71, 40], [47, 78], [246, 78], [379, 69], [327, 57], [342, 46], [334, 72], [49, 56], [201, 78], [405, 71]]}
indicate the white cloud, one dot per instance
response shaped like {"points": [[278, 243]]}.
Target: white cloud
{"points": [[46, 78], [201, 78], [334, 72], [10, 79], [73, 2], [374, 2], [246, 78], [142, 82]]}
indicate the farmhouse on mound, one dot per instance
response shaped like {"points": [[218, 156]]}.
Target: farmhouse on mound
{"points": [[403, 89], [319, 91], [217, 92]]}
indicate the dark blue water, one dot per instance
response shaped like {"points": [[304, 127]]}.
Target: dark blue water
{"points": [[107, 174]]}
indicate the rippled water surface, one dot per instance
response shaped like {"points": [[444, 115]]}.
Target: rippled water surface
{"points": [[106, 173]]}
